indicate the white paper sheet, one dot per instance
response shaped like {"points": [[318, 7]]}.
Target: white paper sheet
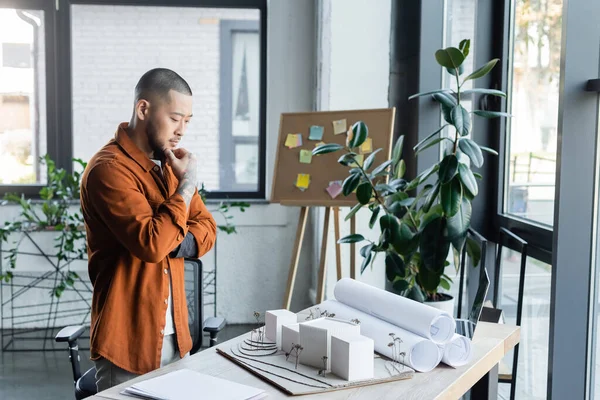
{"points": [[421, 354], [180, 384], [457, 352], [419, 318]]}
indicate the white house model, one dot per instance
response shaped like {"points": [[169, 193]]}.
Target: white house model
{"points": [[274, 319], [352, 357], [290, 335], [315, 338]]}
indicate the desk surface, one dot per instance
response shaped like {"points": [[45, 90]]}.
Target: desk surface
{"points": [[490, 344]]}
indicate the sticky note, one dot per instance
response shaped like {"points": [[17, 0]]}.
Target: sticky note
{"points": [[293, 140], [303, 181], [339, 126], [334, 189], [316, 132], [305, 156], [367, 146], [359, 160]]}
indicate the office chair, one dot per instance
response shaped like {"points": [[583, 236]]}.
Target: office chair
{"points": [[85, 385]]}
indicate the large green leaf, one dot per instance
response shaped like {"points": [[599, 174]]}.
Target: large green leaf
{"points": [[447, 104], [353, 211], [491, 114], [434, 213], [400, 169], [474, 251], [347, 159], [464, 46], [450, 57], [461, 120], [397, 152], [491, 92], [434, 245], [364, 192], [428, 93], [431, 196], [487, 149], [471, 149], [483, 71], [374, 215], [422, 177], [327, 148], [401, 285], [353, 238], [433, 143], [366, 261], [350, 183], [394, 266], [359, 134], [382, 166], [468, 179], [370, 159], [451, 196], [448, 168], [459, 223], [445, 99], [407, 242], [429, 137], [390, 223]]}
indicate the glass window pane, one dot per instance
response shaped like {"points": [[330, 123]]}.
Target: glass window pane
{"points": [[245, 89], [246, 164], [22, 96], [535, 322], [533, 102], [112, 46]]}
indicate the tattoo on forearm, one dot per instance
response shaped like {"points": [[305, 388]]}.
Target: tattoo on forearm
{"points": [[187, 185], [186, 189]]}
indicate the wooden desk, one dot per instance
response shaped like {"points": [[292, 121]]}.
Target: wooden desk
{"points": [[490, 344]]}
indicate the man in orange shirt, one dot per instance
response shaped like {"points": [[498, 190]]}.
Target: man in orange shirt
{"points": [[142, 215]]}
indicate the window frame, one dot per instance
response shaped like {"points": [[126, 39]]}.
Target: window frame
{"points": [[52, 143], [59, 81]]}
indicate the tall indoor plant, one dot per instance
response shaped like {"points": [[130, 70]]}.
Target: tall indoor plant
{"points": [[421, 219]]}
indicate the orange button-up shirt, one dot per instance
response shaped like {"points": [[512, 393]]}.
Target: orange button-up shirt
{"points": [[134, 218]]}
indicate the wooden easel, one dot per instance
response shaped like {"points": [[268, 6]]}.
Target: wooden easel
{"points": [[323, 257]]}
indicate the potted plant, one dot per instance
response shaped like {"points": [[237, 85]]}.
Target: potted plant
{"points": [[55, 213], [422, 219]]}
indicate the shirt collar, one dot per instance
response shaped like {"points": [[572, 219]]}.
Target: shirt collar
{"points": [[131, 149]]}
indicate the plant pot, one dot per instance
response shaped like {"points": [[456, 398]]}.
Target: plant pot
{"points": [[446, 303]]}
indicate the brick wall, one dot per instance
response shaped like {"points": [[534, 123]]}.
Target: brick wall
{"points": [[114, 45]]}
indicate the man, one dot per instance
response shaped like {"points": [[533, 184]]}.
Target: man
{"points": [[143, 214]]}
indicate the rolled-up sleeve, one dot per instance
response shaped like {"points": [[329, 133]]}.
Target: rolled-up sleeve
{"points": [[149, 235]]}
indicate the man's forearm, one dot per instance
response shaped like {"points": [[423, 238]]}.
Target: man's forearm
{"points": [[187, 188]]}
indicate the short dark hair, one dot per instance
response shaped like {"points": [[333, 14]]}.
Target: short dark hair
{"points": [[158, 82]]}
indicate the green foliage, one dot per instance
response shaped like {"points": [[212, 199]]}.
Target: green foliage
{"points": [[54, 212], [422, 219]]}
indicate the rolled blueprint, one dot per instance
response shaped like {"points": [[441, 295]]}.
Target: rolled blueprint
{"points": [[420, 354], [419, 318], [457, 352]]}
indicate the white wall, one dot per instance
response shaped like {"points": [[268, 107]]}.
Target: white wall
{"points": [[253, 265], [354, 51]]}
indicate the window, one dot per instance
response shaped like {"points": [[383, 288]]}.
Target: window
{"points": [[240, 103], [23, 76], [217, 51], [533, 101], [102, 49]]}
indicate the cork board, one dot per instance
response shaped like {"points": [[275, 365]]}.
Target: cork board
{"points": [[323, 169]]}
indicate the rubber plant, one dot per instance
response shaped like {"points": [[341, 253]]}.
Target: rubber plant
{"points": [[54, 211], [422, 219]]}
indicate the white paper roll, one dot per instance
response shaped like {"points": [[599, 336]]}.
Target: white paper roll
{"points": [[403, 312], [422, 354], [457, 352]]}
